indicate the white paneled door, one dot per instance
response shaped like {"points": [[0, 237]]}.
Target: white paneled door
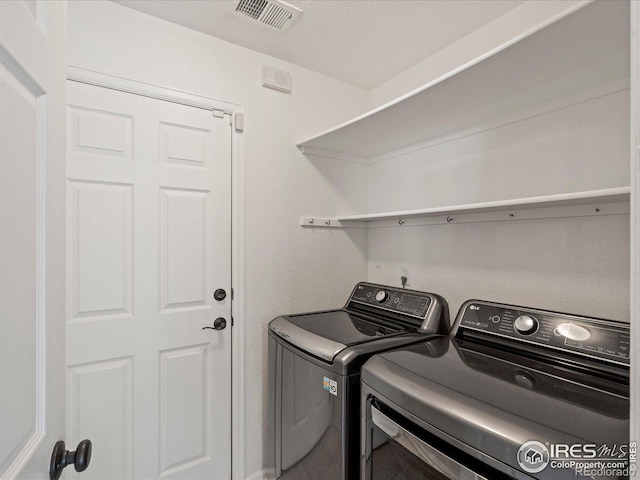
{"points": [[32, 103], [148, 244]]}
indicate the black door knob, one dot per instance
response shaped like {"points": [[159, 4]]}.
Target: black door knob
{"points": [[218, 324], [220, 294], [61, 457]]}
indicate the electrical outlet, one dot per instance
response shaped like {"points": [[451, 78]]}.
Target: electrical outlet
{"points": [[405, 271]]}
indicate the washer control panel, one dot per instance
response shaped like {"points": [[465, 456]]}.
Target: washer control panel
{"points": [[415, 304], [602, 339]]}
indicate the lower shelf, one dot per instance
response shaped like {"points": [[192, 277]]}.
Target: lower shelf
{"points": [[610, 201]]}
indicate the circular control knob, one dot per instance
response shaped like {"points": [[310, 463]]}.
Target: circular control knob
{"points": [[524, 379], [525, 325], [382, 296]]}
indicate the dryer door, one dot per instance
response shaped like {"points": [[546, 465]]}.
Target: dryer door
{"points": [[399, 450]]}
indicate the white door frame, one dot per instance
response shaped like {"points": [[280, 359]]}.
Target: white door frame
{"points": [[91, 77]]}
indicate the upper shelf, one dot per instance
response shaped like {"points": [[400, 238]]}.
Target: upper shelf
{"points": [[581, 51]]}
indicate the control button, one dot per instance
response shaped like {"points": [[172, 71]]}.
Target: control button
{"points": [[396, 300], [495, 319], [573, 332], [382, 296], [525, 325], [524, 379]]}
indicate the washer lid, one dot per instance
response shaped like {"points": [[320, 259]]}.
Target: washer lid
{"points": [[325, 334], [494, 401]]}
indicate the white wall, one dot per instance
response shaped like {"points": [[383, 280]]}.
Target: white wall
{"points": [[580, 147], [503, 30], [578, 265], [575, 265], [285, 266]]}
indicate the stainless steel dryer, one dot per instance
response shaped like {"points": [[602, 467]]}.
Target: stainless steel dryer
{"points": [[315, 367], [514, 393]]}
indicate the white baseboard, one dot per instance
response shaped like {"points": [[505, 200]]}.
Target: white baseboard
{"points": [[264, 474]]}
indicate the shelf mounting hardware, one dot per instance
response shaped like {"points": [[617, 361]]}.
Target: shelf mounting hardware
{"points": [[317, 222]]}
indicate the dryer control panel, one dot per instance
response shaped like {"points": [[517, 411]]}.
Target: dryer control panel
{"points": [[407, 302], [602, 339]]}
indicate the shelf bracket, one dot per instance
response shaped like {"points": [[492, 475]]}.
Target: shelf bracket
{"points": [[322, 222]]}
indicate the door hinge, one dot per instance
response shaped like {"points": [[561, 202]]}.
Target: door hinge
{"points": [[238, 121], [218, 113], [232, 322], [232, 293]]}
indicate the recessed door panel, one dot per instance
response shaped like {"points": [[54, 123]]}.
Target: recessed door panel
{"points": [[101, 408], [99, 132], [183, 262], [101, 235], [183, 145], [183, 399]]}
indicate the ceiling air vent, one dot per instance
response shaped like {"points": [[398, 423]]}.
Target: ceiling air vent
{"points": [[274, 14]]}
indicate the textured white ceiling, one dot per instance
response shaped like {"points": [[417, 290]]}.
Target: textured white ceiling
{"points": [[363, 42]]}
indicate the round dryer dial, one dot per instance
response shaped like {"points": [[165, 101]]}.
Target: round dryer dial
{"points": [[525, 325], [382, 296]]}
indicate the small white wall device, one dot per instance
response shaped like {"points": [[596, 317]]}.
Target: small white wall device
{"points": [[276, 79]]}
